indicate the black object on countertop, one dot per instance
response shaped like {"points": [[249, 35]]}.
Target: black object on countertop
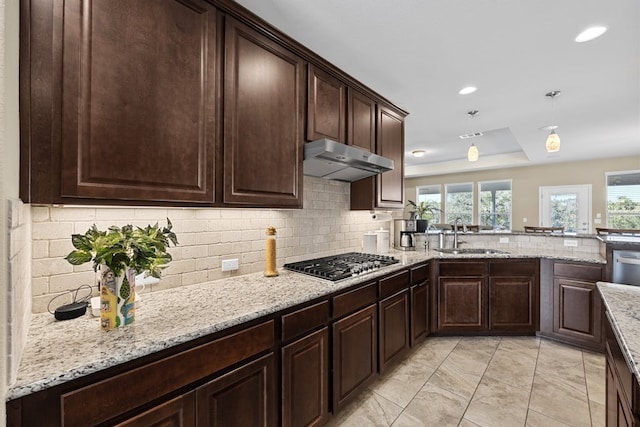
{"points": [[343, 266]]}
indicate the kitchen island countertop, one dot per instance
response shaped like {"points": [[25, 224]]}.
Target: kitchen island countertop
{"points": [[621, 303], [60, 351]]}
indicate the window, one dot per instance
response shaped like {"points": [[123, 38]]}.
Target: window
{"points": [[623, 200], [495, 204], [567, 206], [431, 195], [459, 202]]}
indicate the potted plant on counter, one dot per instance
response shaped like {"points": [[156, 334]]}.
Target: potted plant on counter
{"points": [[423, 212], [118, 254]]}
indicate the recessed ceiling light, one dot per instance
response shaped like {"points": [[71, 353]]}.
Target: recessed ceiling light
{"points": [[590, 34], [417, 153], [467, 90]]}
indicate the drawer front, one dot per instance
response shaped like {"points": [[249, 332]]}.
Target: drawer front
{"points": [[513, 268], [355, 299], [457, 269], [589, 272], [146, 383], [305, 319], [394, 284], [420, 273]]}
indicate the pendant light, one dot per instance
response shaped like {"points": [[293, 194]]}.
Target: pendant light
{"points": [[472, 154], [553, 140]]}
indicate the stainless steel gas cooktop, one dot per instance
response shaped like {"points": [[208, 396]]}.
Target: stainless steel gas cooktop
{"points": [[343, 266]]}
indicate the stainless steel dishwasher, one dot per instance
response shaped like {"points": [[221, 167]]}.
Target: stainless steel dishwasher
{"points": [[626, 267]]}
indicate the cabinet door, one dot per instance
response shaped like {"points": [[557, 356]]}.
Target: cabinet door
{"points": [[178, 412], [361, 122], [354, 354], [462, 305], [243, 397], [391, 145], [139, 110], [326, 103], [419, 311], [612, 395], [394, 328], [387, 189], [577, 311], [263, 120], [512, 304], [305, 380]]}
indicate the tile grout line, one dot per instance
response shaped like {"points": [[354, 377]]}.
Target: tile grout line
{"points": [[424, 342], [586, 386], [533, 380], [478, 385]]}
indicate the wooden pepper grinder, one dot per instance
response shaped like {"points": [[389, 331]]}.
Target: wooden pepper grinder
{"points": [[270, 253]]}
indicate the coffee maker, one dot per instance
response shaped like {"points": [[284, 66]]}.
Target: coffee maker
{"points": [[403, 234]]}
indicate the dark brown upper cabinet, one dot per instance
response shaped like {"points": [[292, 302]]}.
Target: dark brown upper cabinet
{"points": [[361, 122], [387, 189], [263, 120], [178, 103], [136, 86], [326, 106]]}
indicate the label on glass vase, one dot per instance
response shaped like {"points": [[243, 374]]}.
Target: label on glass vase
{"points": [[117, 298]]}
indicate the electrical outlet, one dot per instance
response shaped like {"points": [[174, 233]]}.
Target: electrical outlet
{"points": [[230, 264], [504, 240], [524, 219], [597, 221], [570, 242]]}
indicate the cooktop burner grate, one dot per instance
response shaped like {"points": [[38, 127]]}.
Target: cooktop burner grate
{"points": [[343, 266]]}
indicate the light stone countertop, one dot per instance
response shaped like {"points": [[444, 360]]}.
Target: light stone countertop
{"points": [[622, 303], [60, 351]]}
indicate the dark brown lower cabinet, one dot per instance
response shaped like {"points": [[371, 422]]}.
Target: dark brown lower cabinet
{"points": [[462, 304], [305, 380], [177, 412], [354, 354], [571, 309], [243, 397], [394, 328], [419, 311], [512, 304], [623, 390]]}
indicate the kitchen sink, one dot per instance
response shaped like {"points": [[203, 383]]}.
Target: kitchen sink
{"points": [[470, 251]]}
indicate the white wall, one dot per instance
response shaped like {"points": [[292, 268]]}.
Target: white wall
{"points": [[9, 160]]}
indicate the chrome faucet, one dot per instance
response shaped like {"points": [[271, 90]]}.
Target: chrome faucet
{"points": [[430, 226], [455, 231]]}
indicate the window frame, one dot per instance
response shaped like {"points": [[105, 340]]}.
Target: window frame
{"points": [[606, 186], [479, 201], [440, 191], [446, 205]]}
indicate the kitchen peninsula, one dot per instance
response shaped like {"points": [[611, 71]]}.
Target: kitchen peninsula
{"points": [[247, 324]]}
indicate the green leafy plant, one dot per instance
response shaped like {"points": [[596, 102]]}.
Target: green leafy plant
{"points": [[119, 248], [424, 209]]}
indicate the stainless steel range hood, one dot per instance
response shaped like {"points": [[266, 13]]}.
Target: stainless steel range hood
{"points": [[329, 159]]}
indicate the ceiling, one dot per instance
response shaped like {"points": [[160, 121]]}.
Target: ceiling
{"points": [[419, 54]]}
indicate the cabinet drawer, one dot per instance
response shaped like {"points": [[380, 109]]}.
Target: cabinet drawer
{"points": [[305, 319], [420, 273], [617, 360], [463, 269], [513, 268], [129, 390], [393, 284], [355, 299], [588, 272]]}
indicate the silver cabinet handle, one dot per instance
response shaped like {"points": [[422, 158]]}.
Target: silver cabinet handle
{"points": [[624, 260]]}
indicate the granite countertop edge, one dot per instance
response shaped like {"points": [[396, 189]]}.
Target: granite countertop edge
{"points": [[175, 316], [621, 302]]}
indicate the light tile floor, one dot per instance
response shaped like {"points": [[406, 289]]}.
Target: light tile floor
{"points": [[486, 382]]}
